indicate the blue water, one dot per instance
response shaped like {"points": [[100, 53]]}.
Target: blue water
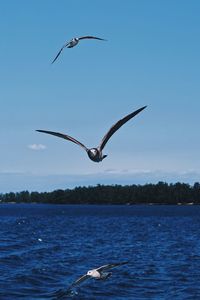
{"points": [[44, 248]]}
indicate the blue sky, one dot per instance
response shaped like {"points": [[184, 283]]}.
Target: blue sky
{"points": [[151, 58]]}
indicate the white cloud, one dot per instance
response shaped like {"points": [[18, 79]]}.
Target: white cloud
{"points": [[127, 171], [37, 147]]}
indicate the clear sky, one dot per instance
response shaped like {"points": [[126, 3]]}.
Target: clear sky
{"points": [[151, 58]]}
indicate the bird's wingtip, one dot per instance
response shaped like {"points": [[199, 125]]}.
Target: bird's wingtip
{"points": [[143, 107]]}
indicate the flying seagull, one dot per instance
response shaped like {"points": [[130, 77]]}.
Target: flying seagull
{"points": [[95, 154], [74, 42], [98, 273]]}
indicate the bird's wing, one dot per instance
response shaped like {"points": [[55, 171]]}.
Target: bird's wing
{"points": [[60, 51], [79, 280], [90, 37], [64, 136], [110, 266], [116, 126]]}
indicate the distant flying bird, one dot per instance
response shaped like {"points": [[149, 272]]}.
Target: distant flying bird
{"points": [[98, 273], [95, 154], [74, 42]]}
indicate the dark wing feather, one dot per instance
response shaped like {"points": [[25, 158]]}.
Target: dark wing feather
{"points": [[91, 37], [64, 136], [116, 126], [110, 266], [60, 52], [79, 280]]}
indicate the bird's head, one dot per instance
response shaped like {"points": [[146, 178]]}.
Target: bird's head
{"points": [[93, 152], [104, 156], [90, 272]]}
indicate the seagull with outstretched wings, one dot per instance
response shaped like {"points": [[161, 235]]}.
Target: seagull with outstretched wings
{"points": [[95, 154], [74, 42], [99, 273]]}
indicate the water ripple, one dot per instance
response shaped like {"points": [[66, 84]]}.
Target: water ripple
{"points": [[44, 248]]}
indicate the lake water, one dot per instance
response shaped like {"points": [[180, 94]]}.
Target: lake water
{"points": [[44, 248]]}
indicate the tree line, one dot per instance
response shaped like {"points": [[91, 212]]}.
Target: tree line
{"points": [[160, 193]]}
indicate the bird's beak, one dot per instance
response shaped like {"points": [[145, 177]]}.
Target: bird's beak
{"points": [[104, 156]]}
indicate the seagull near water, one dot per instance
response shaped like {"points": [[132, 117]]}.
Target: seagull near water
{"points": [[99, 273], [74, 42], [95, 154]]}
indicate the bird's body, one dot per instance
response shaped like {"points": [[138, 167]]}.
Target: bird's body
{"points": [[94, 274], [98, 275], [73, 42], [95, 154]]}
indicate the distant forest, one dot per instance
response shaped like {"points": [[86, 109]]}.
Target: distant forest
{"points": [[160, 193]]}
